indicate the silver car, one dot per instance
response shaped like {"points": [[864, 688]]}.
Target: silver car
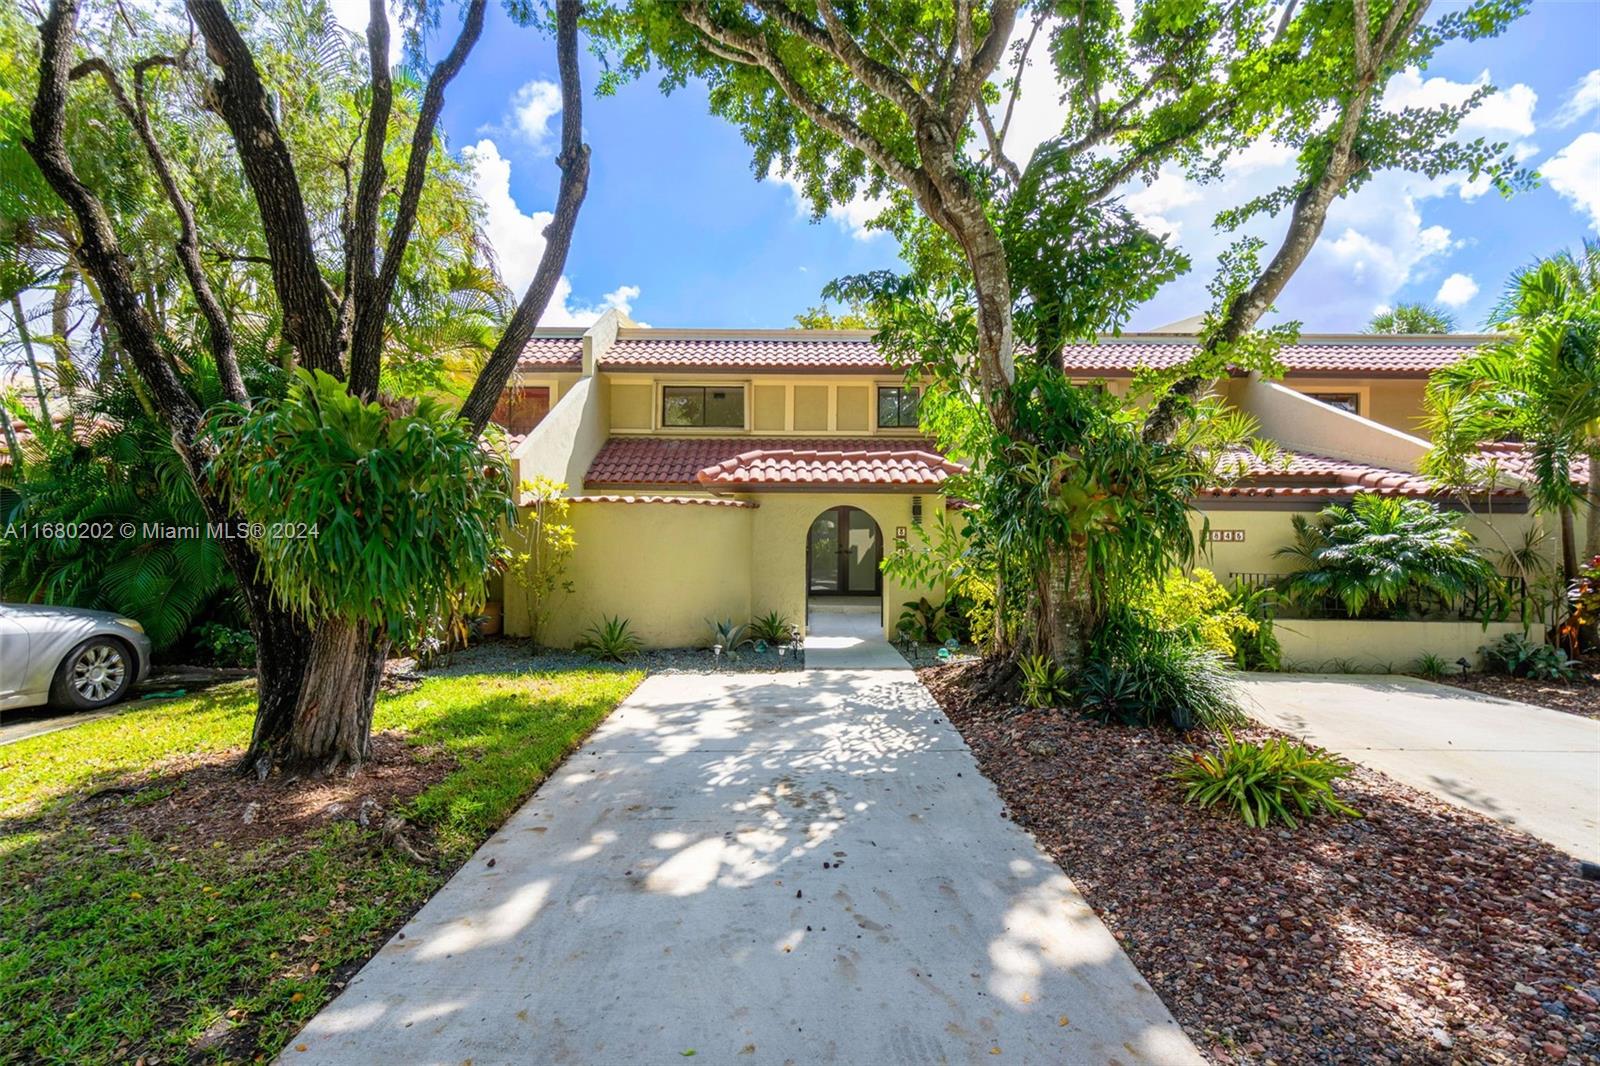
{"points": [[68, 657]]}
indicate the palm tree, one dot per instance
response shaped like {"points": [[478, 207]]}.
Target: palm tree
{"points": [[1540, 386], [1413, 318]]}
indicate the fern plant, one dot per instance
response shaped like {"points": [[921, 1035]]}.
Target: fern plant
{"points": [[612, 638], [1273, 780]]}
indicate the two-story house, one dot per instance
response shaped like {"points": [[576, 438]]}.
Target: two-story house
{"points": [[725, 473]]}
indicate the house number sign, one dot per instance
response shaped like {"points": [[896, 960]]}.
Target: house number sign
{"points": [[1230, 536]]}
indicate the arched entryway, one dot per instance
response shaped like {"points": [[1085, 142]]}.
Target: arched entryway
{"points": [[844, 551]]}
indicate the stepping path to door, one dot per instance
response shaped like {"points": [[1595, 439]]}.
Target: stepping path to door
{"points": [[760, 868]]}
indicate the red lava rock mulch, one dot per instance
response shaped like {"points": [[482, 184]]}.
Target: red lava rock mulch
{"points": [[199, 800], [1420, 933], [1580, 697]]}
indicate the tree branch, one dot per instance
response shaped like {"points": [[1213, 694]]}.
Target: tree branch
{"points": [[366, 349], [981, 64], [361, 242], [574, 164], [188, 246], [98, 250], [309, 323]]}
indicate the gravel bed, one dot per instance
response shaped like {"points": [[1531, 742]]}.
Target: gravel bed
{"points": [[1580, 697], [928, 654], [1419, 933], [515, 656]]}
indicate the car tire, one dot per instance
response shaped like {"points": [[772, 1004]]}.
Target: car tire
{"points": [[94, 674]]}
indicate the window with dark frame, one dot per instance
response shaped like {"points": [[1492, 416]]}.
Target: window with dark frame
{"points": [[1344, 401], [897, 407], [698, 406]]}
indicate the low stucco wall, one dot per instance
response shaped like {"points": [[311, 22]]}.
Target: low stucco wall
{"points": [[664, 567], [668, 568], [1334, 644]]}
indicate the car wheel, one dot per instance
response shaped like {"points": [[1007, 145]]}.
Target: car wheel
{"points": [[97, 672]]}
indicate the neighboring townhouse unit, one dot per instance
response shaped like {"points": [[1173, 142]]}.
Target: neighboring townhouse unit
{"points": [[725, 473]]}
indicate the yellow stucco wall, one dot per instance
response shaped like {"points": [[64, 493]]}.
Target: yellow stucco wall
{"points": [[668, 567], [630, 406], [1335, 644], [810, 407], [852, 408], [664, 567], [770, 408]]}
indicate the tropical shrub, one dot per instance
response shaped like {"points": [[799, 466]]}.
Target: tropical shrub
{"points": [[1383, 556], [223, 645], [1517, 656], [730, 636], [1256, 649], [540, 569], [1198, 605], [1139, 675], [611, 638], [924, 621], [1263, 782], [1584, 596], [773, 627], [1045, 683]]}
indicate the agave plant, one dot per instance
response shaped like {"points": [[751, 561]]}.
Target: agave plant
{"points": [[1380, 553], [612, 638], [730, 636], [773, 627]]}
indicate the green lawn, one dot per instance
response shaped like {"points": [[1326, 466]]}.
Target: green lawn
{"points": [[116, 947]]}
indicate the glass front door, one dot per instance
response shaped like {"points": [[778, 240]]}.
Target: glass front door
{"points": [[843, 553]]}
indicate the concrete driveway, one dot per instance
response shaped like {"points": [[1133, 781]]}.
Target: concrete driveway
{"points": [[775, 868], [1529, 767]]}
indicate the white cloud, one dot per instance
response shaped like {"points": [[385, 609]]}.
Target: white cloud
{"points": [[852, 217], [1584, 98], [533, 106], [1152, 204], [1384, 261], [1574, 173], [1457, 290], [518, 240], [1507, 112]]}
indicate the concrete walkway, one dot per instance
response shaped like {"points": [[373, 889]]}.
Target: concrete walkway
{"points": [[784, 868], [1529, 767]]}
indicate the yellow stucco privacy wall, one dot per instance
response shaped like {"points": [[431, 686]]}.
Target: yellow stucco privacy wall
{"points": [[668, 568], [1338, 644]]}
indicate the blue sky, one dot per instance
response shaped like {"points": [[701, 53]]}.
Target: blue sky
{"points": [[677, 229]]}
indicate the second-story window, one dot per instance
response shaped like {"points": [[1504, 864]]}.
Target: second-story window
{"points": [[1344, 401], [696, 406], [897, 407]]}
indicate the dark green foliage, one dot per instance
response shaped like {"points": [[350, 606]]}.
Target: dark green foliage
{"points": [[1413, 318], [1432, 666], [374, 513], [1517, 656], [1381, 556], [1273, 780], [925, 621], [222, 645], [1139, 675], [1258, 650], [773, 627], [611, 638], [1045, 683]]}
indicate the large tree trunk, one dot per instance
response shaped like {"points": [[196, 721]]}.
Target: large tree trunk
{"points": [[324, 721], [1065, 607]]}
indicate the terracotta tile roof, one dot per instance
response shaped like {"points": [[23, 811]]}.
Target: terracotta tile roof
{"points": [[691, 501], [1296, 474], [1404, 357], [773, 355], [852, 351], [1511, 459], [787, 467], [552, 353], [679, 460]]}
